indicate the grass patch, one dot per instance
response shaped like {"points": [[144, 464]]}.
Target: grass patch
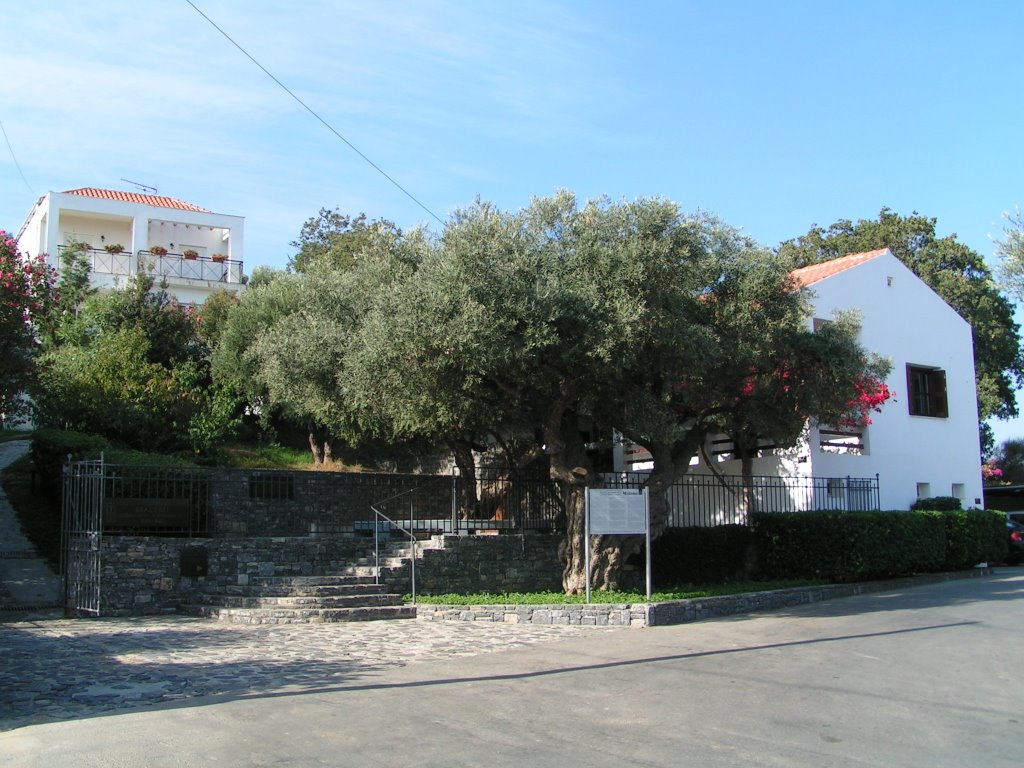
{"points": [[39, 513], [242, 456], [559, 598]]}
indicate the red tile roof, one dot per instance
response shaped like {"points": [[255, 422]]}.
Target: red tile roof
{"points": [[806, 276], [136, 197]]}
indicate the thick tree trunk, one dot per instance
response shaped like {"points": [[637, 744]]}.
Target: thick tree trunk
{"points": [[314, 446], [468, 501], [747, 473]]}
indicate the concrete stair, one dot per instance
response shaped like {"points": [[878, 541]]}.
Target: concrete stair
{"points": [[300, 600]]}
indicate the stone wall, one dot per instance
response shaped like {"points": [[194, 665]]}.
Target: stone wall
{"points": [[595, 614], [150, 575], [144, 574], [508, 563], [268, 503]]}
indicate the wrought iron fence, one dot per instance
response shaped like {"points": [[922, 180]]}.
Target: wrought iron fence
{"points": [[222, 502], [708, 500]]}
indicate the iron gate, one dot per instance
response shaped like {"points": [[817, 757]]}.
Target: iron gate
{"points": [[81, 533]]}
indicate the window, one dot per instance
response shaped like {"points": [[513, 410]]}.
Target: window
{"points": [[924, 490], [927, 388]]}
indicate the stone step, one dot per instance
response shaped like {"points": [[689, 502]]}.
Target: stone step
{"points": [[299, 616], [342, 578], [304, 602], [296, 590]]}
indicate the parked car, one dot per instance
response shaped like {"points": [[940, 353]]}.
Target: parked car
{"points": [[1016, 534]]}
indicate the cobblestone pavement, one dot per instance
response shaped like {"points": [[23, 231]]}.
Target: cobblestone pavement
{"points": [[58, 669]]}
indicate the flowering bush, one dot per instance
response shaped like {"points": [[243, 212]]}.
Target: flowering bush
{"points": [[990, 473], [870, 395], [26, 295]]}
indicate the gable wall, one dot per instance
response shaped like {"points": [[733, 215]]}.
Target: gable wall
{"points": [[904, 320]]}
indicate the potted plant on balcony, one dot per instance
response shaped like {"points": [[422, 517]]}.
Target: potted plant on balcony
{"points": [[113, 248], [219, 258], [158, 250], [190, 253]]}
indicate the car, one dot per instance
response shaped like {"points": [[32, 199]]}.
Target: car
{"points": [[1015, 531]]}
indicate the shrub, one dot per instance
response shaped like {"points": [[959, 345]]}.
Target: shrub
{"points": [[936, 504], [974, 536], [699, 555], [848, 546], [51, 448]]}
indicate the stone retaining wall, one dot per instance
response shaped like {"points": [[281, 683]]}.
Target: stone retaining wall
{"points": [[507, 563], [677, 611], [143, 574], [594, 614]]}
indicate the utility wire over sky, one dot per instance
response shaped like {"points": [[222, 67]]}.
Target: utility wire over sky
{"points": [[311, 111]]}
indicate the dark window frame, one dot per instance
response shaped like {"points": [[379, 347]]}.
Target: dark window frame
{"points": [[926, 391]]}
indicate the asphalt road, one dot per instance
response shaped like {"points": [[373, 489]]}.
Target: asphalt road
{"points": [[930, 676]]}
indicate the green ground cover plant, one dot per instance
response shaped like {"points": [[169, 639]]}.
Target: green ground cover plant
{"points": [[610, 596]]}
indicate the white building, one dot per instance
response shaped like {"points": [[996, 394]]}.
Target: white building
{"points": [[196, 251], [925, 441]]}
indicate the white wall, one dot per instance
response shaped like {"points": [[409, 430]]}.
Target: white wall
{"points": [[137, 227], [905, 321]]}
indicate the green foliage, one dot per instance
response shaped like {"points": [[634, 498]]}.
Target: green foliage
{"points": [[974, 536], [1009, 459], [848, 546], [26, 295], [52, 447], [937, 504], [132, 366], [958, 274], [857, 546], [1010, 251], [334, 240], [700, 555], [606, 597]]}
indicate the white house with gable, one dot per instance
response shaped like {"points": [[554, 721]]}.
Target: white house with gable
{"points": [[924, 442], [194, 250]]}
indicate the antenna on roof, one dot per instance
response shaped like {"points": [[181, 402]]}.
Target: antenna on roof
{"points": [[142, 187]]}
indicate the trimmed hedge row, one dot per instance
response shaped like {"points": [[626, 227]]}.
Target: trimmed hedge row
{"points": [[859, 546], [700, 555], [833, 546]]}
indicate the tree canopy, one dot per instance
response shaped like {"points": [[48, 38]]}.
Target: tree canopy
{"points": [[543, 328], [336, 239], [957, 273], [1010, 251]]}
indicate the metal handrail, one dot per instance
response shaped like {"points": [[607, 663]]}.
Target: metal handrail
{"points": [[376, 544]]}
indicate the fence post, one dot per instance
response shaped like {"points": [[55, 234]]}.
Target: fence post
{"points": [[455, 501]]}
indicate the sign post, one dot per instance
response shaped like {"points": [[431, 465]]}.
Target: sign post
{"points": [[617, 511]]}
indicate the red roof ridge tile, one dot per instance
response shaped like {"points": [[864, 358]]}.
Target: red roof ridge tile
{"points": [[815, 273], [159, 201]]}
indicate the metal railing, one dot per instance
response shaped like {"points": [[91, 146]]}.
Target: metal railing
{"points": [[708, 500], [391, 525], [172, 265]]}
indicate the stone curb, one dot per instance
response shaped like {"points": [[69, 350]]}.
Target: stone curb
{"points": [[678, 611]]}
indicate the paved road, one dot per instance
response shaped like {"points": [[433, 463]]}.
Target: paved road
{"points": [[925, 677], [25, 578]]}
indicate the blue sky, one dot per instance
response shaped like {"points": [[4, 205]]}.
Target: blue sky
{"points": [[775, 116]]}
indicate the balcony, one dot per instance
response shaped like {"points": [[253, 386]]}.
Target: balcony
{"points": [[173, 266]]}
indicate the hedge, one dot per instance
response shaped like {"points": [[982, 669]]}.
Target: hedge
{"points": [[859, 546], [685, 556]]}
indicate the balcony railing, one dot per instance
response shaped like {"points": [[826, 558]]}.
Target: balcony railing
{"points": [[169, 265]]}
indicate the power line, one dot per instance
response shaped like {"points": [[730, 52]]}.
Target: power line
{"points": [[16, 164], [309, 109]]}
